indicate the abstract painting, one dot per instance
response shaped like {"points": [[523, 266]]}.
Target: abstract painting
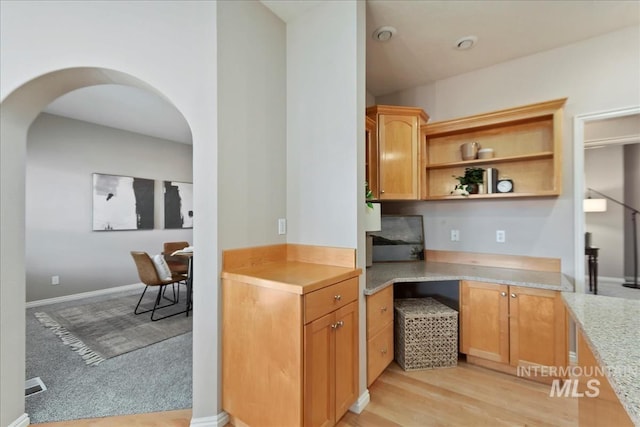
{"points": [[178, 204], [400, 239], [122, 203]]}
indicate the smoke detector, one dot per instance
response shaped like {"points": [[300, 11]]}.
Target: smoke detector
{"points": [[384, 34], [466, 43]]}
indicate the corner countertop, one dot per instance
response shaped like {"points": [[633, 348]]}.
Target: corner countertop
{"points": [[382, 275], [610, 327]]}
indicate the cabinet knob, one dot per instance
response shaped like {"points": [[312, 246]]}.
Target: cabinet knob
{"points": [[334, 326], [381, 191], [339, 324], [383, 309], [503, 294], [337, 297], [383, 351], [513, 295]]}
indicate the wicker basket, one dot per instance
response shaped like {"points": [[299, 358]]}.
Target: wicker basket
{"points": [[426, 334]]}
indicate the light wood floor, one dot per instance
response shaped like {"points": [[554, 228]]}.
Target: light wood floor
{"points": [[463, 396]]}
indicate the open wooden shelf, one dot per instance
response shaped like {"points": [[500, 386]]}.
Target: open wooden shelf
{"points": [[527, 144]]}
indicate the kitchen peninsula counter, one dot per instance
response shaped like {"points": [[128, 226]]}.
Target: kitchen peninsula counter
{"points": [[383, 275]]}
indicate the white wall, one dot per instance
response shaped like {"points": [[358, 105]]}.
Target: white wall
{"points": [[164, 46], [325, 133], [252, 124], [61, 156], [604, 172], [596, 75]]}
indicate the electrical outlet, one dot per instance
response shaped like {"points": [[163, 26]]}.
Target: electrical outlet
{"points": [[55, 280], [282, 226], [455, 235], [500, 236]]}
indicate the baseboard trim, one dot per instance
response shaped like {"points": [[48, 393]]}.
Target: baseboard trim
{"points": [[220, 420], [361, 403], [607, 280], [81, 295], [21, 421]]}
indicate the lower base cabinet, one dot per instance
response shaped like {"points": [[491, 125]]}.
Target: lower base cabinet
{"points": [[506, 327], [379, 333], [331, 366], [289, 359]]}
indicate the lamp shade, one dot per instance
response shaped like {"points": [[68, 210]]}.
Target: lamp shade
{"points": [[372, 218], [594, 205]]}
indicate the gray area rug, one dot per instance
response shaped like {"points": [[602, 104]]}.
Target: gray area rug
{"points": [[101, 330], [154, 378]]}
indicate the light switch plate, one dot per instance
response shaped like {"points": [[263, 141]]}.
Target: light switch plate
{"points": [[282, 226]]}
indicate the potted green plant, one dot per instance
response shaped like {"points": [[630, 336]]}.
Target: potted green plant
{"points": [[470, 181]]}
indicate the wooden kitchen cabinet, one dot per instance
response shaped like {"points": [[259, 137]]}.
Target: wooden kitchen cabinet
{"points": [[527, 144], [379, 333], [398, 166], [331, 366], [371, 157], [289, 335], [504, 327]]}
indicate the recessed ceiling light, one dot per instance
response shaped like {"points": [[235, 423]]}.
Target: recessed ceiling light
{"points": [[466, 42], [383, 34]]}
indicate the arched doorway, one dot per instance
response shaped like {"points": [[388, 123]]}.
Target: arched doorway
{"points": [[19, 110]]}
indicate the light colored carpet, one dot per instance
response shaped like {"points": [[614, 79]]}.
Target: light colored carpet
{"points": [[104, 329], [154, 378]]}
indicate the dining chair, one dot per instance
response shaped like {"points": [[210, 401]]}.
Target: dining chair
{"points": [[176, 265], [150, 278]]}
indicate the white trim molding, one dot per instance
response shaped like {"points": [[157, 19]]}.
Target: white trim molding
{"points": [[81, 295], [21, 421], [220, 420], [604, 142], [361, 403], [578, 184]]}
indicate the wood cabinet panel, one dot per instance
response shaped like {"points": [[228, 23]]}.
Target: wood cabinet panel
{"points": [[371, 157], [346, 358], [253, 313], [319, 377], [513, 326], [537, 327], [379, 352], [379, 311], [398, 162], [484, 326], [604, 409], [393, 172], [330, 298]]}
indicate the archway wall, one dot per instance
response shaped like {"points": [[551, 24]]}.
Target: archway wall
{"points": [[170, 48]]}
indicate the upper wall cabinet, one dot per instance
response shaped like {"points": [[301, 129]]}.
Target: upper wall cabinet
{"points": [[527, 150], [371, 157], [398, 156]]}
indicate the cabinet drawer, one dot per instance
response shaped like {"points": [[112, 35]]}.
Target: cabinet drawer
{"points": [[379, 353], [379, 311], [326, 300]]}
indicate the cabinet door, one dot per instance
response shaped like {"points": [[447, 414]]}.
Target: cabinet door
{"points": [[379, 353], [398, 171], [485, 325], [319, 372], [537, 327], [346, 354], [371, 156]]}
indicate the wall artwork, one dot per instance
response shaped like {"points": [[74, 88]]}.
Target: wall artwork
{"points": [[401, 238], [178, 204], [122, 203]]}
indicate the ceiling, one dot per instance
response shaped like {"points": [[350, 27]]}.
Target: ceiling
{"points": [[422, 51]]}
